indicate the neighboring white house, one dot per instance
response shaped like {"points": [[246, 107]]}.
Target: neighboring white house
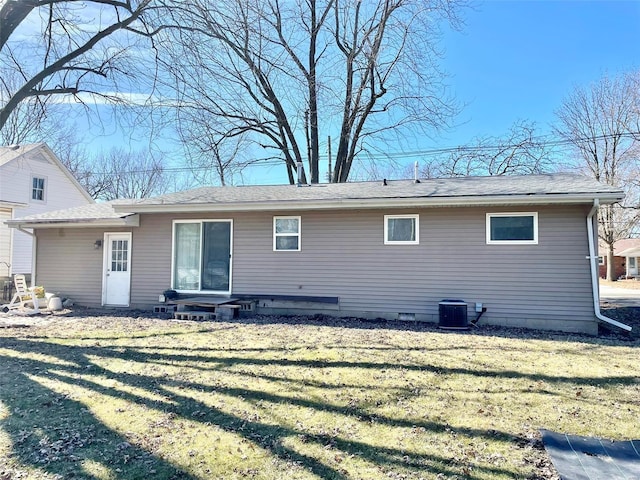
{"points": [[32, 181]]}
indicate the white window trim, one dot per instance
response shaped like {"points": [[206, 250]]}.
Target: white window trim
{"points": [[44, 189], [601, 260], [276, 235], [512, 242], [415, 216], [173, 254]]}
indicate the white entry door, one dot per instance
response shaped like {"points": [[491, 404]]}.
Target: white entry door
{"points": [[116, 281]]}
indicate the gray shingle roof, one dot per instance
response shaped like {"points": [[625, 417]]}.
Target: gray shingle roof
{"points": [[84, 213], [552, 184], [488, 190]]}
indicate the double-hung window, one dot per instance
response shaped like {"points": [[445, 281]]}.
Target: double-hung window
{"points": [[512, 228], [401, 229], [286, 234], [37, 189], [202, 255]]}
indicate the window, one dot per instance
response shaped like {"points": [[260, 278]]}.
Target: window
{"points": [[512, 228], [632, 262], [37, 189], [600, 260], [119, 255], [401, 229], [286, 233], [202, 255]]}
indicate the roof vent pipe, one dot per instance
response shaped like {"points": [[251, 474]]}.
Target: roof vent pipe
{"points": [[300, 171], [415, 173]]}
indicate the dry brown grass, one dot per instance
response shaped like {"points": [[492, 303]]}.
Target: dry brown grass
{"points": [[99, 397], [627, 284]]}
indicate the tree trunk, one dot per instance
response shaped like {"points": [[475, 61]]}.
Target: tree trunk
{"points": [[611, 268]]}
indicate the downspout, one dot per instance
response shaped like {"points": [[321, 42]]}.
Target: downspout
{"points": [[33, 253], [594, 271]]}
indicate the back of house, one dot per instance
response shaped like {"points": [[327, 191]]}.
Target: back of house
{"points": [[521, 251]]}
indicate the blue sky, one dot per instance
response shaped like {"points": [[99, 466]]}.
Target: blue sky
{"points": [[519, 59], [516, 60]]}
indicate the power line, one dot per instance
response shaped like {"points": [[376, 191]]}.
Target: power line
{"points": [[411, 154]]}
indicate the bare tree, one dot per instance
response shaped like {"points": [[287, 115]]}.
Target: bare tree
{"points": [[519, 152], [55, 47], [596, 121], [118, 173], [213, 157], [286, 74]]}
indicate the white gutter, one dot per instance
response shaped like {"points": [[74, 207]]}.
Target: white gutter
{"points": [[34, 243], [593, 258], [291, 204], [132, 220]]}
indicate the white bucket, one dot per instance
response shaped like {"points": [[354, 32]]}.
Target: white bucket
{"points": [[55, 303]]}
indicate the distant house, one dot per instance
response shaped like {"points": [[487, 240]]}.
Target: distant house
{"points": [[32, 181], [626, 258], [523, 248]]}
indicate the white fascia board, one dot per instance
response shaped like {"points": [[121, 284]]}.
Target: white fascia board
{"points": [[422, 202], [130, 221], [8, 204]]}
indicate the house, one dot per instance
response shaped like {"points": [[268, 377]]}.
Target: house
{"points": [[626, 256], [32, 181], [523, 248]]}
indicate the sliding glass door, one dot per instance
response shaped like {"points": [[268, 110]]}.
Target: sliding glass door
{"points": [[202, 255]]}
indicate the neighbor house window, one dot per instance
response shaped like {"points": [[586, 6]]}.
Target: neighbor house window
{"points": [[401, 229], [512, 228], [202, 255], [600, 260], [37, 189], [286, 233]]}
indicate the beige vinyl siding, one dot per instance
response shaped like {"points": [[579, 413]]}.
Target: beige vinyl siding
{"points": [[343, 255], [68, 264], [151, 259]]}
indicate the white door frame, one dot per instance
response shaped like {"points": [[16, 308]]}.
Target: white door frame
{"points": [[106, 267]]}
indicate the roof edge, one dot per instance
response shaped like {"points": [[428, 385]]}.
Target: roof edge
{"points": [[129, 220], [605, 198]]}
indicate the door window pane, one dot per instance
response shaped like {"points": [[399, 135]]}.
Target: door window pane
{"points": [[119, 255], [216, 256], [187, 256]]}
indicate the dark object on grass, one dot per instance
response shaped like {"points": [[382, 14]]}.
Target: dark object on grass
{"points": [[577, 458]]}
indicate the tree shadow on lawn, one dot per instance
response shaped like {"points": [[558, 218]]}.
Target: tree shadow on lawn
{"points": [[54, 433]]}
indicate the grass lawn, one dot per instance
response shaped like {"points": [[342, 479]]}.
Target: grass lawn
{"points": [[122, 398]]}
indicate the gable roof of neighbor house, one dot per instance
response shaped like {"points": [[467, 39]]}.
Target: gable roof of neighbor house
{"points": [[627, 247], [464, 191], [12, 153], [623, 247]]}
